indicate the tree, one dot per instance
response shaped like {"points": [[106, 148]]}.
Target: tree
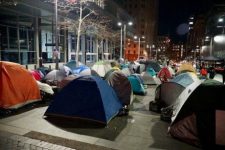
{"points": [[83, 14]]}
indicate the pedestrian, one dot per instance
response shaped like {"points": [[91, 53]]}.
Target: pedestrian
{"points": [[203, 72], [211, 72]]}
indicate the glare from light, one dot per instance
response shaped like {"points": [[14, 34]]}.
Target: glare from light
{"points": [[119, 23], [191, 23], [219, 39], [220, 20], [130, 23], [135, 37]]}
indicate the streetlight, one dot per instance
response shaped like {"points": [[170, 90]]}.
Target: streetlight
{"points": [[123, 33], [221, 23], [139, 44], [56, 51]]}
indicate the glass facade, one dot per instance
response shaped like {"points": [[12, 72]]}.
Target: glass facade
{"points": [[17, 44]]}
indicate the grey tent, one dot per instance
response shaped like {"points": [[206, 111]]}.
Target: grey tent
{"points": [[148, 79], [198, 117], [170, 91]]}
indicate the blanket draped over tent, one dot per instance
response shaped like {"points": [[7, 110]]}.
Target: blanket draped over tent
{"points": [[18, 86]]}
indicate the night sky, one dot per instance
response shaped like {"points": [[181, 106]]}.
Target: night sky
{"points": [[174, 13]]}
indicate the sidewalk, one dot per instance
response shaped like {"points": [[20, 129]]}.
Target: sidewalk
{"points": [[141, 130]]}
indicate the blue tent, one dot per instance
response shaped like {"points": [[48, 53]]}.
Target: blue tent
{"points": [[151, 71], [79, 69], [88, 98], [137, 86]]}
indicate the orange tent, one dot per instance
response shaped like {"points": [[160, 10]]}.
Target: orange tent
{"points": [[17, 86]]}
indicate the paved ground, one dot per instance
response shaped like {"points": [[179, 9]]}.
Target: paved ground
{"points": [[141, 130]]}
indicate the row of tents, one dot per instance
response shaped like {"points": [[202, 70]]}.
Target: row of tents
{"points": [[196, 108], [97, 93]]}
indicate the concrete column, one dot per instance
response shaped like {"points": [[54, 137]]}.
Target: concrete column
{"points": [[96, 49], [65, 45], [107, 49], [36, 40], [18, 39]]}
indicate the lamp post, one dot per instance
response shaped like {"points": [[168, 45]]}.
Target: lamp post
{"points": [[139, 44], [56, 51], [123, 32]]}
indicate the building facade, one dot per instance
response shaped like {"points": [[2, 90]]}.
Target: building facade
{"points": [[145, 14], [28, 37]]}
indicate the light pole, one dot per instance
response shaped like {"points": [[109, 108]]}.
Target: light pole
{"points": [[56, 51], [123, 33], [139, 44]]}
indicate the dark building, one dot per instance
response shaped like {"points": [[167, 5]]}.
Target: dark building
{"points": [[214, 40]]}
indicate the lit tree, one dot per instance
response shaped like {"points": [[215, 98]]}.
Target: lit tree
{"points": [[81, 14]]}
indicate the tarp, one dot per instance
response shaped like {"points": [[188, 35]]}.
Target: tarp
{"points": [[102, 67], [205, 102], [17, 86], [137, 86], [121, 85], [88, 98]]}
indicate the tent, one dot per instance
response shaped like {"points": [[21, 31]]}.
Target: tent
{"points": [[73, 64], [37, 74], [17, 86], [152, 64], [121, 85], [137, 86], [58, 75], [198, 117], [67, 80], [164, 74], [89, 71], [44, 70], [55, 75], [102, 67], [127, 71], [79, 69], [168, 92], [148, 79], [186, 67], [151, 71], [88, 98]]}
